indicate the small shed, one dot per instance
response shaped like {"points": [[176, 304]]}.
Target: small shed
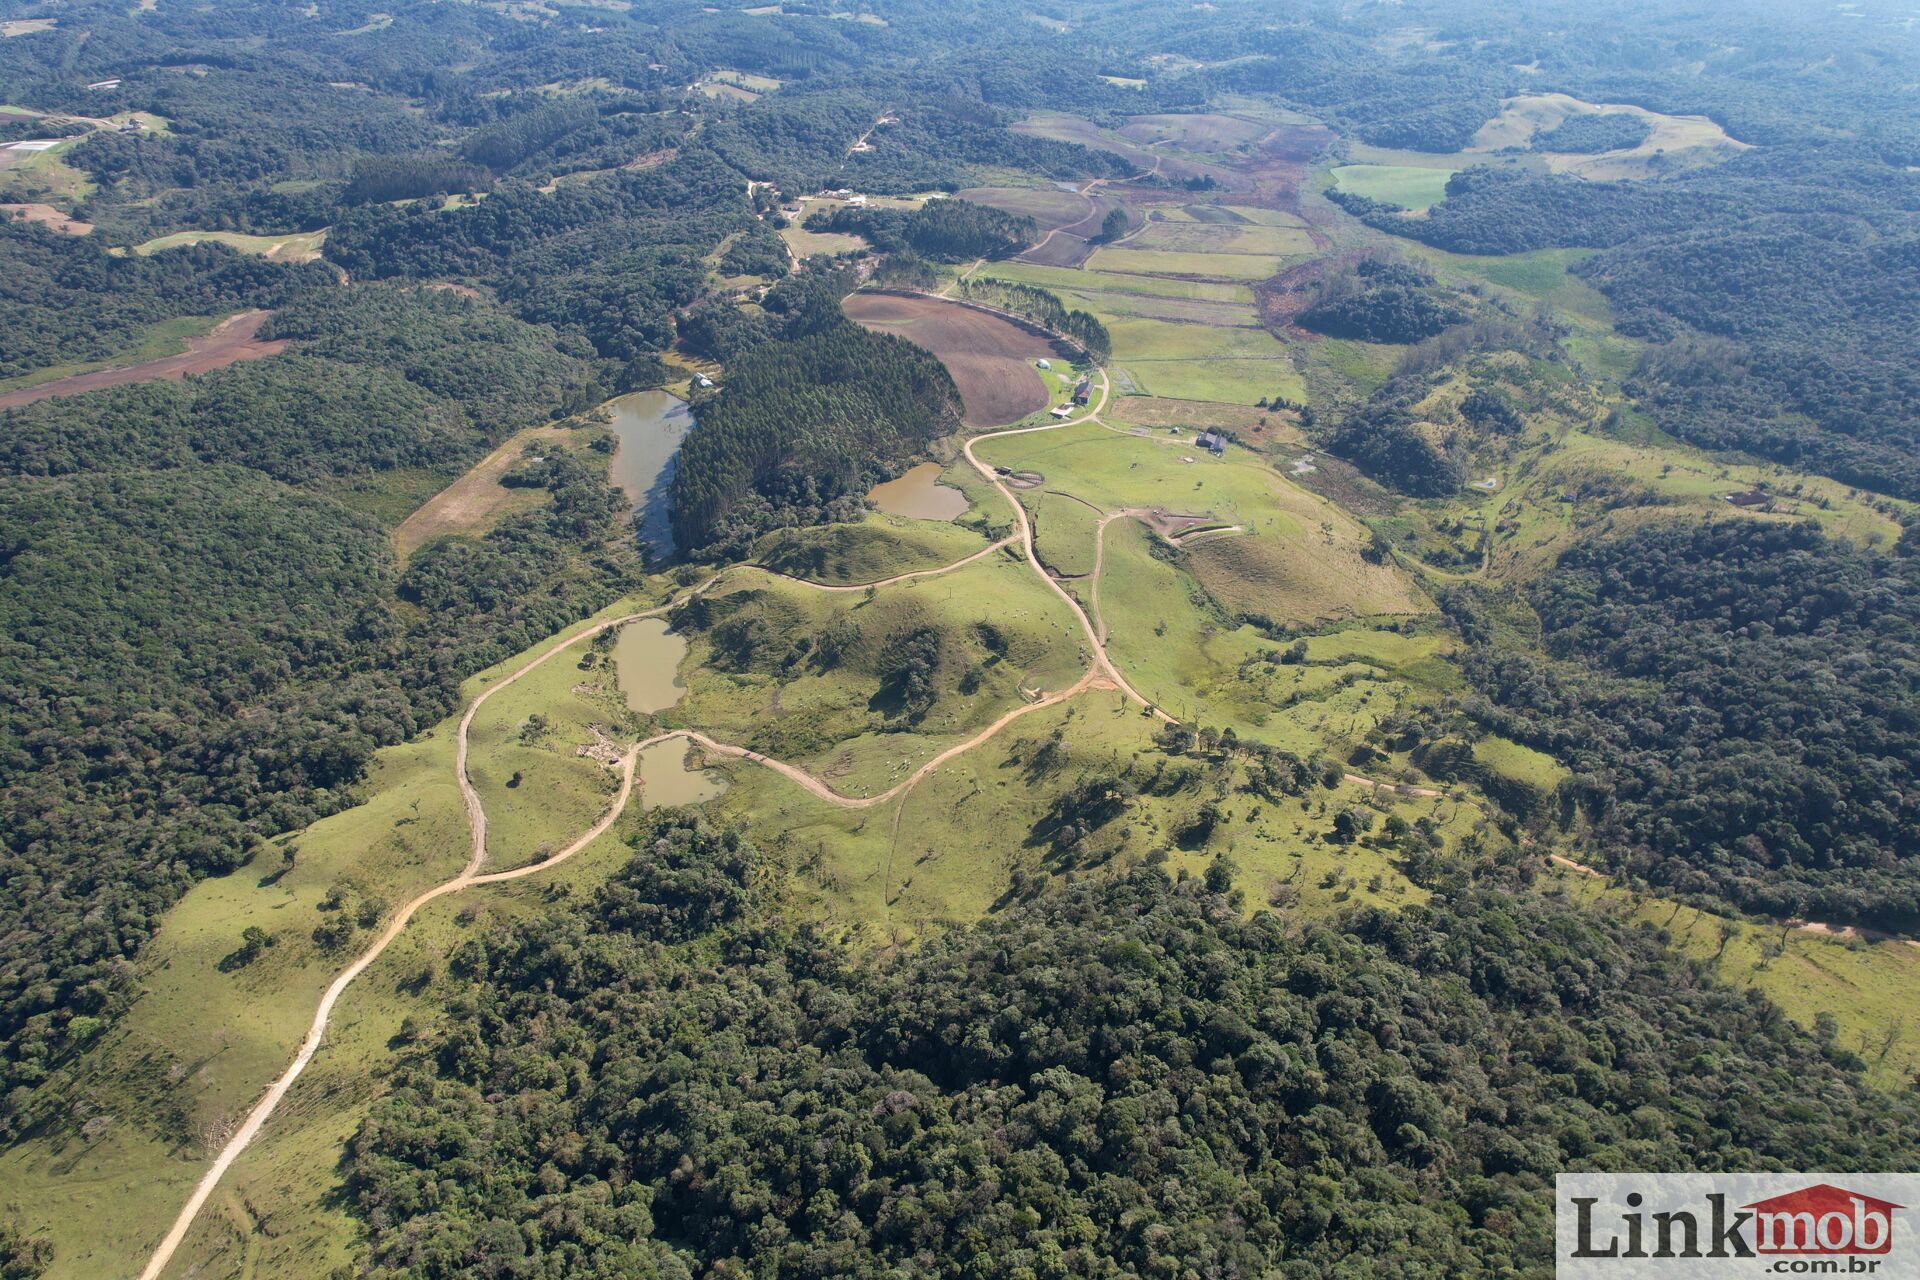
{"points": [[1043, 364]]}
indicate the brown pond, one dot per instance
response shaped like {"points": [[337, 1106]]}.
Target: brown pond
{"points": [[650, 426], [666, 781], [919, 495], [646, 665]]}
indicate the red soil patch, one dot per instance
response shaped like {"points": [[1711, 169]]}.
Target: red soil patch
{"points": [[990, 357], [232, 340]]}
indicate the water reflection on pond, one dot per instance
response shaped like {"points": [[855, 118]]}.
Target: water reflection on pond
{"points": [[650, 426]]}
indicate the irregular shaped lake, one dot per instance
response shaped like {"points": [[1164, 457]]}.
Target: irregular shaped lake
{"points": [[920, 495], [666, 781]]}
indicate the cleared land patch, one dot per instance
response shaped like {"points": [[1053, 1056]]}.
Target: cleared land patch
{"points": [[232, 340], [1409, 187], [300, 247], [477, 501], [1205, 266], [47, 216], [990, 357], [1672, 141]]}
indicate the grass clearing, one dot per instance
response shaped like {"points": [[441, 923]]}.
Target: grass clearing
{"points": [[1222, 266], [299, 247], [879, 546], [1411, 188], [1216, 239], [1866, 987]]}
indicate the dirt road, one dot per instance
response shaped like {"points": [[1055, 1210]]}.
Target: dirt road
{"points": [[1101, 674], [231, 341]]}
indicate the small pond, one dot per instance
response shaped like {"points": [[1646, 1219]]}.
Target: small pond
{"points": [[919, 495], [646, 665]]}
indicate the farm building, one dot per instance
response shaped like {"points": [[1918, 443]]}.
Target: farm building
{"points": [[1063, 411], [1752, 498], [1083, 391], [1043, 364], [1212, 442]]}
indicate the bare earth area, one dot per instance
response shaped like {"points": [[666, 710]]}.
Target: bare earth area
{"points": [[990, 357], [232, 340], [477, 501], [47, 216]]}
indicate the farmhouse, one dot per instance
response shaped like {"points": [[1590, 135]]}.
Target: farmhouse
{"points": [[1211, 441], [1083, 391], [1752, 498]]}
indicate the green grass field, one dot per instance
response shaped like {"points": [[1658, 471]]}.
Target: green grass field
{"points": [[880, 546], [1868, 988], [297, 247], [1404, 185], [838, 721], [1214, 266]]}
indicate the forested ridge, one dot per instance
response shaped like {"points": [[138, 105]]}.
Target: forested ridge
{"points": [[803, 428], [1123, 1077], [203, 646], [1736, 700]]}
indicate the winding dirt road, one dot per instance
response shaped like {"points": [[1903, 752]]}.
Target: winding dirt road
{"points": [[1101, 673]]}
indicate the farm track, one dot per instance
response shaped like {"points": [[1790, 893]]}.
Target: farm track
{"points": [[1101, 674]]}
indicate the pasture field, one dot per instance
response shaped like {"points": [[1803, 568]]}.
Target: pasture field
{"points": [[1520, 763], [843, 720], [1048, 206], [1063, 533], [1206, 266], [1215, 239], [1411, 188], [879, 546], [298, 247], [1196, 132], [1198, 362], [207, 1036], [1103, 282]]}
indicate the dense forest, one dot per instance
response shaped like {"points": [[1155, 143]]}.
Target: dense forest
{"points": [[1126, 1077], [69, 301], [1381, 301], [202, 645], [938, 231], [803, 428], [1735, 700]]}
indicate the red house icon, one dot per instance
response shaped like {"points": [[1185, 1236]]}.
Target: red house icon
{"points": [[1822, 1218]]}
